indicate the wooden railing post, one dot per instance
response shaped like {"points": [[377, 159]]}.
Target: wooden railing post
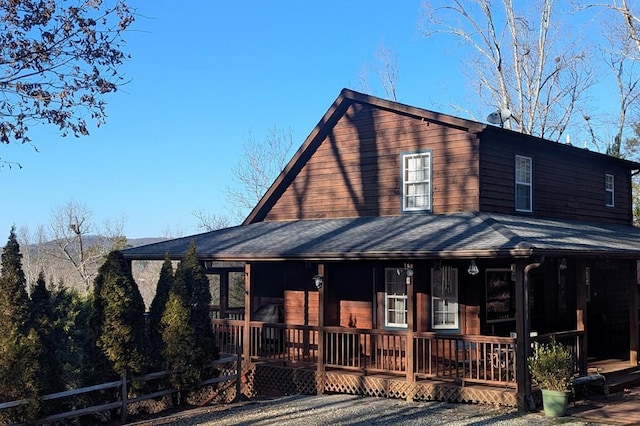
{"points": [[124, 393], [238, 373]]}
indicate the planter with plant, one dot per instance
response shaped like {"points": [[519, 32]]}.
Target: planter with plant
{"points": [[551, 367]]}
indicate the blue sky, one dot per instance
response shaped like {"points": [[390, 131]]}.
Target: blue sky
{"points": [[203, 75]]}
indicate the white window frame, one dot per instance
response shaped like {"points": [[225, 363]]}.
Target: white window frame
{"points": [[523, 181], [414, 178], [609, 190], [445, 306], [395, 301]]}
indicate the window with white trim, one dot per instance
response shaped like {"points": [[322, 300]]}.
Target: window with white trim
{"points": [[416, 181], [524, 185], [444, 298], [609, 190], [395, 298]]}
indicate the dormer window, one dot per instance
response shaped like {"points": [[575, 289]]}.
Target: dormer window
{"points": [[523, 184], [609, 190], [416, 181]]}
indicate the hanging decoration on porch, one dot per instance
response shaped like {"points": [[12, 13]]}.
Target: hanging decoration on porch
{"points": [[447, 279]]}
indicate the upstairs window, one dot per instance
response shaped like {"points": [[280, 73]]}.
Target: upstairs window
{"points": [[416, 182], [609, 190], [395, 312], [444, 298], [523, 184]]}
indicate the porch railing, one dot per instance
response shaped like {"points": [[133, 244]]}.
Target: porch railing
{"points": [[460, 358], [484, 359]]}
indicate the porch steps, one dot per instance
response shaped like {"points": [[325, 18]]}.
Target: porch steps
{"points": [[620, 380]]}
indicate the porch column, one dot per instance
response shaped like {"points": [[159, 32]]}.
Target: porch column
{"points": [[410, 329], [633, 316], [321, 300], [581, 313], [523, 329], [246, 335], [224, 293]]}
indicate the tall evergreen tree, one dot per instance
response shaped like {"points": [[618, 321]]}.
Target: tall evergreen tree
{"points": [[181, 352], [72, 332], [43, 316], [189, 344], [115, 342], [191, 278], [158, 304], [122, 336], [19, 343]]}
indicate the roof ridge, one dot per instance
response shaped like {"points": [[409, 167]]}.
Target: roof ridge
{"points": [[499, 227]]}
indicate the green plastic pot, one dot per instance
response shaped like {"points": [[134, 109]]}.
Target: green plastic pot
{"points": [[554, 402]]}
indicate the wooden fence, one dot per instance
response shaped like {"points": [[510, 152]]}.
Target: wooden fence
{"points": [[123, 391]]}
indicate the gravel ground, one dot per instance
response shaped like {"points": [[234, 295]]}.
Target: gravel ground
{"points": [[302, 410]]}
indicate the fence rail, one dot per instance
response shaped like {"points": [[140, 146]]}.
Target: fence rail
{"points": [[123, 402]]}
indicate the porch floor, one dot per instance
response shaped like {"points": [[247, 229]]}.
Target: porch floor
{"points": [[619, 373]]}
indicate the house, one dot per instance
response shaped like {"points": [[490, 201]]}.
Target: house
{"points": [[413, 254]]}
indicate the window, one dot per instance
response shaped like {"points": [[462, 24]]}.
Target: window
{"points": [[609, 190], [416, 182], [523, 184], [444, 298], [395, 298]]}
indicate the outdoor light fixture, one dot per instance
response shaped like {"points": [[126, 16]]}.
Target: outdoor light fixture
{"points": [[409, 269], [473, 268], [208, 264], [318, 280], [563, 264]]}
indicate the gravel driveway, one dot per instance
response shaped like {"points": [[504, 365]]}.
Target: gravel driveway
{"points": [[303, 410]]}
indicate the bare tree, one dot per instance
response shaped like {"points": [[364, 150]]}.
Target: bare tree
{"points": [[387, 70], [58, 60], [255, 171], [519, 59], [34, 258], [209, 221], [82, 244], [619, 25]]}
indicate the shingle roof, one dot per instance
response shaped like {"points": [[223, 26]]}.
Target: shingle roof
{"points": [[407, 236]]}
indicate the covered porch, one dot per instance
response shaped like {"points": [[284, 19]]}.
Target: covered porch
{"points": [[335, 280]]}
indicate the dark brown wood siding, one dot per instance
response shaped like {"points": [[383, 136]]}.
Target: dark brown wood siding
{"points": [[356, 169], [568, 182]]}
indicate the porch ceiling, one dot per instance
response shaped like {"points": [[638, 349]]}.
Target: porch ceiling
{"points": [[402, 237]]}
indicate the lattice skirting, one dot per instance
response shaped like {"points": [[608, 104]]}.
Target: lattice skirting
{"points": [[267, 379]]}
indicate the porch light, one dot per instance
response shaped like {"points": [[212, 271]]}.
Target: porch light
{"points": [[473, 268], [409, 269], [318, 280], [563, 264]]}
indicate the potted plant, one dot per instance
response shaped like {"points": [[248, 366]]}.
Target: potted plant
{"points": [[551, 367]]}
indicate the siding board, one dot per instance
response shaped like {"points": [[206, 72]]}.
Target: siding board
{"points": [[356, 170]]}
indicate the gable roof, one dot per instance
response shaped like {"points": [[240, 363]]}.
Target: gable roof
{"points": [[461, 235], [348, 97]]}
